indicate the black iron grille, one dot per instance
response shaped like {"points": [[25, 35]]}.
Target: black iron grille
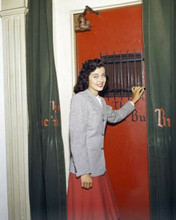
{"points": [[123, 71]]}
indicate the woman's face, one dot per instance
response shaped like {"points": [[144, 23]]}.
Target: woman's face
{"points": [[97, 80]]}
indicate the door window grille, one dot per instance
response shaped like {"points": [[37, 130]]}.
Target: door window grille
{"points": [[123, 71]]}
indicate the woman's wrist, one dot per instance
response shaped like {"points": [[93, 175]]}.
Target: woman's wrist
{"points": [[132, 102]]}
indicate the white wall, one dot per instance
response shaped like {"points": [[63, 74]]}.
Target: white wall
{"points": [[3, 177], [64, 51], [12, 4]]}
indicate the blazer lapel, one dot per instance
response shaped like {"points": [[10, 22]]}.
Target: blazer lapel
{"points": [[94, 99], [96, 103], [104, 107]]}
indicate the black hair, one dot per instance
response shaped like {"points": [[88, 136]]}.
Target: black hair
{"points": [[83, 79]]}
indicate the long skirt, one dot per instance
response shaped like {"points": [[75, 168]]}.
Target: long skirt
{"points": [[96, 203]]}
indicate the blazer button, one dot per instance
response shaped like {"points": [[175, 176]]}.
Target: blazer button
{"points": [[102, 134]]}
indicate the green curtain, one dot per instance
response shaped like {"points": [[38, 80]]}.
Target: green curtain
{"points": [[47, 187], [159, 17]]}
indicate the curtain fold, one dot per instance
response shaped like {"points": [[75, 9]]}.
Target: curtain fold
{"points": [[159, 46], [47, 184]]}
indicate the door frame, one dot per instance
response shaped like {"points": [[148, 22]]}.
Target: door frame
{"points": [[64, 38]]}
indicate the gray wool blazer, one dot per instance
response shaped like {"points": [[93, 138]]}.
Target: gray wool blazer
{"points": [[87, 126]]}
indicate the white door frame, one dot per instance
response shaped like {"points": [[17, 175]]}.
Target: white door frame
{"points": [[65, 52]]}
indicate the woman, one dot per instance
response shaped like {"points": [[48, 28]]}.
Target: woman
{"points": [[90, 196]]}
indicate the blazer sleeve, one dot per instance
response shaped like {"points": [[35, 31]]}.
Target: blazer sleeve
{"points": [[78, 130], [115, 116]]}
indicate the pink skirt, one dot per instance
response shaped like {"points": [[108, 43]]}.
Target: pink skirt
{"points": [[97, 203]]}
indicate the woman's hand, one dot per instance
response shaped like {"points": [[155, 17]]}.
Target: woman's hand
{"points": [[137, 93], [86, 181]]}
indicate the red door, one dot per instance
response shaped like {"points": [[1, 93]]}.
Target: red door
{"points": [[126, 150]]}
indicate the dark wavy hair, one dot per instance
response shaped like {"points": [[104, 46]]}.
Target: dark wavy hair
{"points": [[83, 79]]}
